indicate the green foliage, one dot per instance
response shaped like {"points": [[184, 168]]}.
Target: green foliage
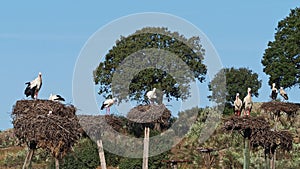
{"points": [[152, 43], [195, 130], [154, 162], [85, 156], [134, 163], [281, 59], [237, 81], [12, 159]]}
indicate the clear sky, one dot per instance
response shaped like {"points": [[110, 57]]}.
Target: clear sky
{"points": [[48, 36]]}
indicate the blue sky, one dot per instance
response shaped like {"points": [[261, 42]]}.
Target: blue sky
{"points": [[48, 36]]}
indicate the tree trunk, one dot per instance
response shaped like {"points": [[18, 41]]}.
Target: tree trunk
{"points": [[56, 163], [101, 154], [28, 158], [246, 154], [146, 148]]}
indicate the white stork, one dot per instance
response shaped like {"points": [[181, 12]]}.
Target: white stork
{"points": [[107, 104], [248, 103], [151, 95], [283, 93], [34, 87], [237, 105], [56, 97], [274, 92]]}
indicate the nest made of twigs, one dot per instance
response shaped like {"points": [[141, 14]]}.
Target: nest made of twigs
{"points": [[270, 140], [46, 124], [259, 132], [276, 106], [150, 114], [246, 123], [96, 125]]}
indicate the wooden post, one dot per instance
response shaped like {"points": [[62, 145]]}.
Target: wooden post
{"points": [[273, 159], [56, 163], [101, 154], [28, 158], [221, 161], [272, 162], [267, 161], [146, 148], [246, 154]]}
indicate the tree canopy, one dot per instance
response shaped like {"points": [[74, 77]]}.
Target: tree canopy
{"points": [[281, 59], [237, 81], [155, 58]]}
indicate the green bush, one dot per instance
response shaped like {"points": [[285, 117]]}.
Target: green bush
{"points": [[85, 156], [154, 162]]}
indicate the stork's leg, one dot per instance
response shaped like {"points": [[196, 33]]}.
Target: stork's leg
{"points": [[152, 102], [248, 112], [107, 110], [36, 95]]}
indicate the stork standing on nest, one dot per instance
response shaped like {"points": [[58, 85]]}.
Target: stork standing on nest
{"points": [[237, 105], [56, 97], [34, 87], [107, 104], [274, 92], [151, 95], [283, 93], [248, 103]]}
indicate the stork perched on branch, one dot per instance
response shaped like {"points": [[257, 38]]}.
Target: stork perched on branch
{"points": [[274, 92], [107, 104], [151, 95], [283, 93], [34, 87], [237, 105], [248, 103]]}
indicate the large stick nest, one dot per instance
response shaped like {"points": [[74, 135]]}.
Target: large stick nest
{"points": [[259, 132], [95, 126], [270, 140], [46, 124], [247, 123], [276, 106], [150, 114], [138, 118]]}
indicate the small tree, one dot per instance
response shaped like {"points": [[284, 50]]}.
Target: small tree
{"points": [[237, 81]]}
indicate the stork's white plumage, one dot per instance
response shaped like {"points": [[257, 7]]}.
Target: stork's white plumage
{"points": [[56, 97], [283, 93], [34, 87], [151, 95], [274, 92], [107, 104], [248, 103], [238, 105]]}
